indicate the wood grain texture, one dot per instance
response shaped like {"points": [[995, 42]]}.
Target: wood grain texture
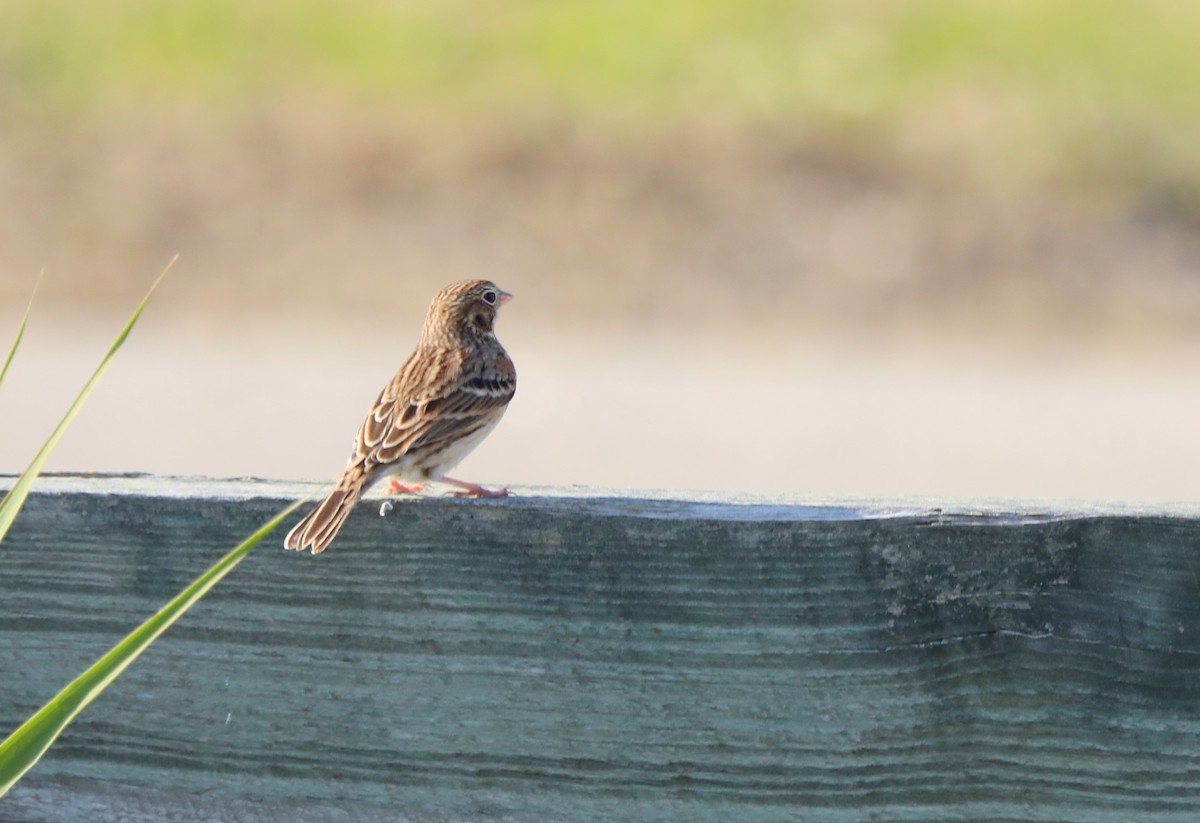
{"points": [[543, 659]]}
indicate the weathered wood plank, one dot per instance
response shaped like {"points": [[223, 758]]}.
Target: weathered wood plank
{"points": [[573, 658]]}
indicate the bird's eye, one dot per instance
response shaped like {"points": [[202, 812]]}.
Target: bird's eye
{"points": [[490, 297]]}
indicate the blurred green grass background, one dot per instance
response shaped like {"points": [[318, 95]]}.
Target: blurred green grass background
{"points": [[1038, 158], [1101, 89]]}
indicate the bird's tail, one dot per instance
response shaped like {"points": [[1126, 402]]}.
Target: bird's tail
{"points": [[318, 529]]}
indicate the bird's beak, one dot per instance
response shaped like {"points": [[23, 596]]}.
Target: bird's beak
{"points": [[504, 297]]}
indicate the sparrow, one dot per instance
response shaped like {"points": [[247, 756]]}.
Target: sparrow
{"points": [[446, 398]]}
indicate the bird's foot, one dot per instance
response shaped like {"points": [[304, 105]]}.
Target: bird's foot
{"points": [[474, 490], [396, 487]]}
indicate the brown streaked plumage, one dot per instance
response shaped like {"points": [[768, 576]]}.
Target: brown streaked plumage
{"points": [[449, 394]]}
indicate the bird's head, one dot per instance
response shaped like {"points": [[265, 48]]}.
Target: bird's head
{"points": [[464, 310]]}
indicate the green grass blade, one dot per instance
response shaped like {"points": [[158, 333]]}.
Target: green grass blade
{"points": [[20, 333], [25, 746], [15, 499]]}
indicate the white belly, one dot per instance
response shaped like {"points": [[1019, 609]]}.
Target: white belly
{"points": [[456, 451], [418, 468]]}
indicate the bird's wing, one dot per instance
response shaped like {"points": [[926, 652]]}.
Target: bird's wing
{"points": [[430, 401]]}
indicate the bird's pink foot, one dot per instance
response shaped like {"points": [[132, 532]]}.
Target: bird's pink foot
{"points": [[474, 490], [396, 487]]}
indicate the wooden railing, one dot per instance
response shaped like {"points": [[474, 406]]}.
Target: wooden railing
{"points": [[579, 655]]}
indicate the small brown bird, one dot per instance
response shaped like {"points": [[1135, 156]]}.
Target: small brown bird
{"points": [[449, 394]]}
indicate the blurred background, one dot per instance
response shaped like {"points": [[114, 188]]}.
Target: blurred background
{"points": [[895, 247]]}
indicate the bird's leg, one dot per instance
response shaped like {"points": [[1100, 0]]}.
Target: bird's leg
{"points": [[474, 490], [396, 487]]}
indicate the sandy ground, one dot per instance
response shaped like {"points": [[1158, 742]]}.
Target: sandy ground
{"points": [[782, 318], [812, 416]]}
